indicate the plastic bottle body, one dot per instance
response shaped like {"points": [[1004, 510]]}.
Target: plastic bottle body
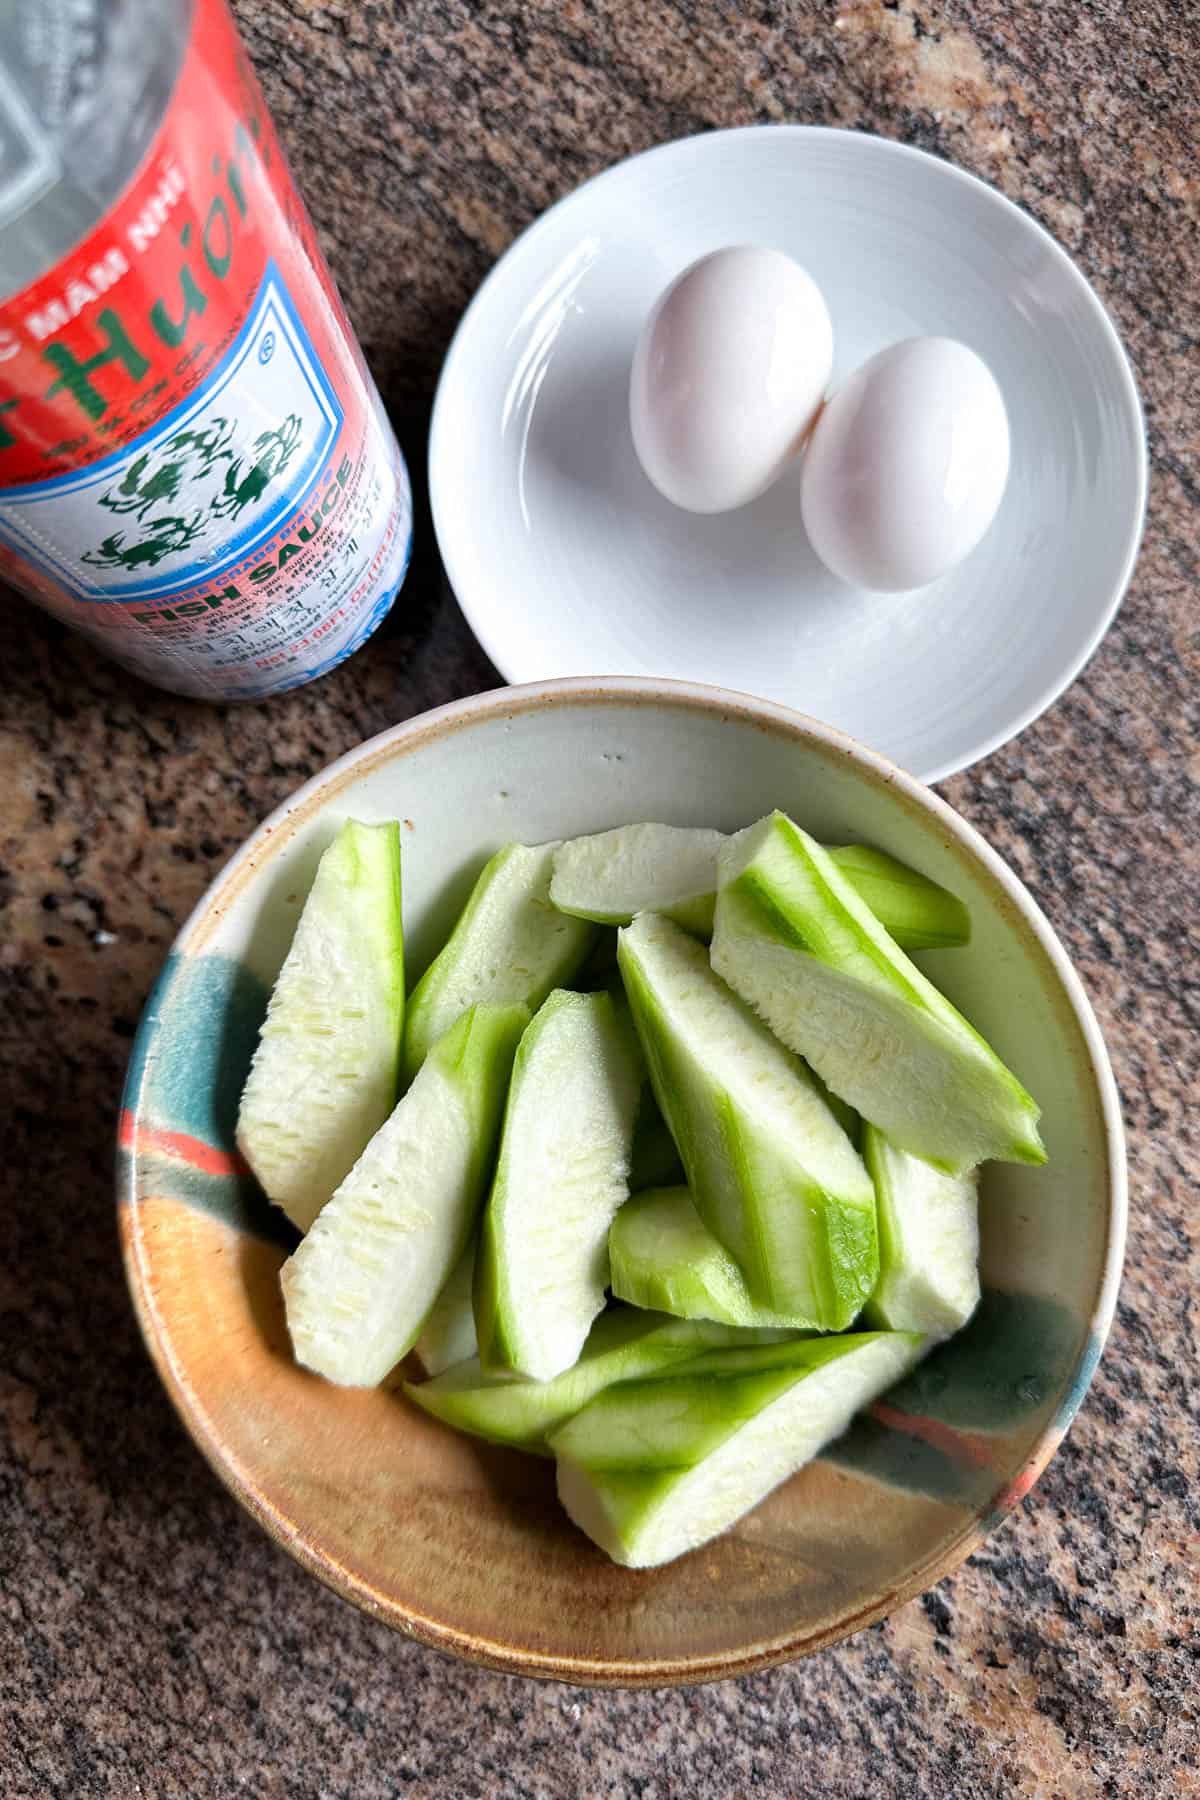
{"points": [[195, 468]]}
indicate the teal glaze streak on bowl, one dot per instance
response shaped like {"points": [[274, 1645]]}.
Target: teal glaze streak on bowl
{"points": [[931, 1434], [189, 1064], [1015, 1351], [1085, 1368], [897, 1458]]}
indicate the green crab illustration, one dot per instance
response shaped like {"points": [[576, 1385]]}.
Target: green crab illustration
{"points": [[167, 537], [157, 478], [151, 480], [270, 454]]}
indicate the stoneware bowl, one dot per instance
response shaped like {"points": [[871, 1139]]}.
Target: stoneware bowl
{"points": [[464, 1546]]}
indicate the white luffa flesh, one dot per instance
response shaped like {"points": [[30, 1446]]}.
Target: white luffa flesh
{"points": [[639, 868], [928, 1242], [903, 1070], [323, 1078], [562, 1174], [363, 1282], [448, 1334]]}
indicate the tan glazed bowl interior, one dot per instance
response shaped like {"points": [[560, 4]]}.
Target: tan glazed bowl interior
{"points": [[462, 1545]]}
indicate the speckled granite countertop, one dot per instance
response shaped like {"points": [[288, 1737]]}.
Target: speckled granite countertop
{"points": [[152, 1640]]}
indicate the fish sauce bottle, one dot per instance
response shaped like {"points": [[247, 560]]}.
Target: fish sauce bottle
{"points": [[196, 470]]}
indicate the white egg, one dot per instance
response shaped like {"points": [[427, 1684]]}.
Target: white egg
{"points": [[729, 370], [906, 465]]}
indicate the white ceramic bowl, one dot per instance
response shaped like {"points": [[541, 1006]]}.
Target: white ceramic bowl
{"points": [[462, 1544], [567, 562]]}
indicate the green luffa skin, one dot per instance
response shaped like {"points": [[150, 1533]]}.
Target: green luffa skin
{"points": [[772, 1173], [509, 947], [798, 943], [663, 1256], [361, 1285], [623, 1344], [563, 1171], [615, 875], [652, 1468], [917, 913]]}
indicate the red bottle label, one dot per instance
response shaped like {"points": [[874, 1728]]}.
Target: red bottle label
{"points": [[194, 464]]}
